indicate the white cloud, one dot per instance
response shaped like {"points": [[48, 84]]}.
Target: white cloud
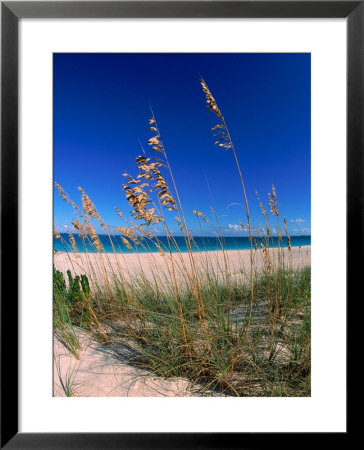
{"points": [[63, 228], [234, 227], [306, 230], [297, 220], [301, 231]]}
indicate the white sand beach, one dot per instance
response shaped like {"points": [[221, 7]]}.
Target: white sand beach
{"points": [[130, 263]]}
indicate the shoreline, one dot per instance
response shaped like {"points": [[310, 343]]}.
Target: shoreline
{"points": [[62, 252], [200, 244]]}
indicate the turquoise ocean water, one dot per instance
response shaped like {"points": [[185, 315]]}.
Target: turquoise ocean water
{"points": [[200, 243]]}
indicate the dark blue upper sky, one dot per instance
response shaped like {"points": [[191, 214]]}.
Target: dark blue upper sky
{"points": [[101, 111]]}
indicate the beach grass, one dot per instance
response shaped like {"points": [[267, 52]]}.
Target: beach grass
{"points": [[241, 332]]}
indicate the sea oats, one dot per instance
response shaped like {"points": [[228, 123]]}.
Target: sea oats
{"points": [[150, 171], [120, 214], [266, 240], [262, 207], [90, 209], [219, 131], [61, 192], [288, 236], [155, 141], [65, 197], [126, 231], [94, 236], [144, 231], [126, 243], [77, 225], [273, 201], [179, 222], [267, 258], [198, 213], [163, 191], [267, 227], [73, 242], [224, 140], [264, 211], [56, 235], [211, 103], [161, 251], [137, 197]]}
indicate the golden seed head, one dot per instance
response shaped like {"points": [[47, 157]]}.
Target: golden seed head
{"points": [[198, 213], [89, 208], [264, 211], [126, 231], [138, 197], [77, 225], [126, 243], [267, 258], [161, 251], [273, 202], [179, 222], [211, 102], [94, 236], [73, 242], [155, 141], [65, 196]]}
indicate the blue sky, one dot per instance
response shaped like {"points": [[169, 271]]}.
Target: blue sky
{"points": [[101, 113]]}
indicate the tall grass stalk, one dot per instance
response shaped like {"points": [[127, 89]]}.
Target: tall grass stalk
{"points": [[224, 140]]}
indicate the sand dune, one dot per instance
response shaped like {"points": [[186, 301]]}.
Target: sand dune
{"points": [[106, 370]]}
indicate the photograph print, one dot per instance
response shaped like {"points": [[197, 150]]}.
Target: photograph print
{"points": [[182, 225]]}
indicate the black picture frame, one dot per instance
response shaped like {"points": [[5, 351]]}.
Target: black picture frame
{"points": [[11, 12]]}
